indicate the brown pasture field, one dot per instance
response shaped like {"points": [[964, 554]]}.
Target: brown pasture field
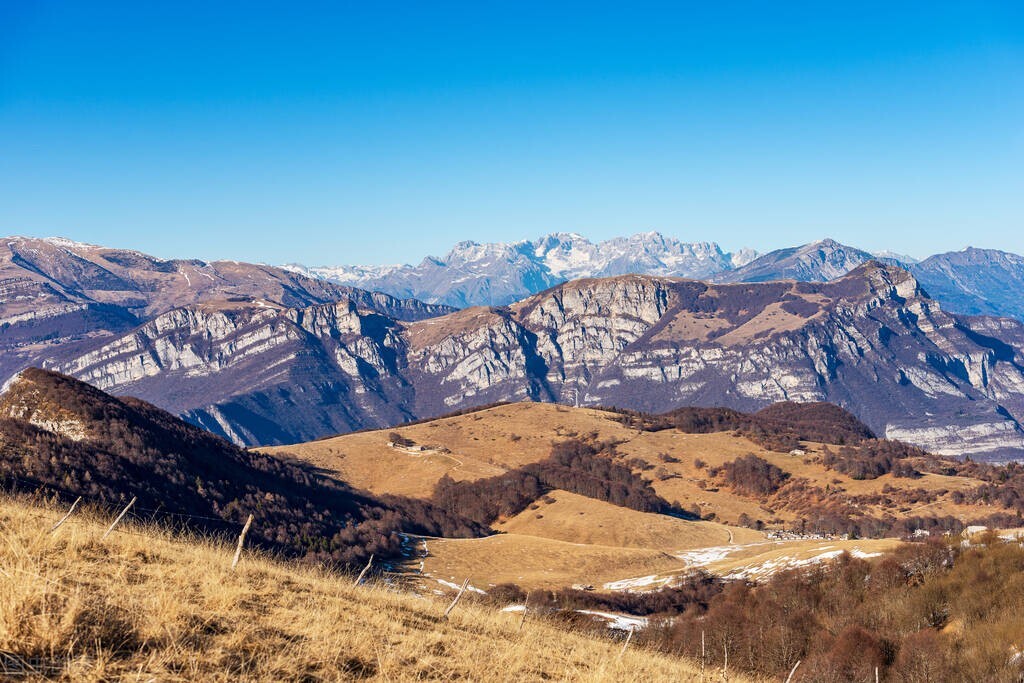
{"points": [[533, 562], [564, 538], [578, 519], [489, 442]]}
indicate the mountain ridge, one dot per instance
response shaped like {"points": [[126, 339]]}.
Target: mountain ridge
{"points": [[57, 295], [872, 342], [972, 281], [263, 356], [498, 273]]}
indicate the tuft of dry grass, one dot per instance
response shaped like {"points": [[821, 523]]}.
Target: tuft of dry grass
{"points": [[147, 606]]}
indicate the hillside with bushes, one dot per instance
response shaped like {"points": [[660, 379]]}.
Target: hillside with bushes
{"points": [[62, 436]]}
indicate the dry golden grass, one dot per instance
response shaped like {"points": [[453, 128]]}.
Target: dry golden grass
{"points": [[482, 444], [578, 540], [533, 562], [144, 606], [578, 519]]}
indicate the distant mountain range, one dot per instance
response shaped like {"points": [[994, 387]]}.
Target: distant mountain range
{"points": [[496, 274], [973, 281], [266, 356]]}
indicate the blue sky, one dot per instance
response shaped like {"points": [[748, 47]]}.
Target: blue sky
{"points": [[383, 131]]}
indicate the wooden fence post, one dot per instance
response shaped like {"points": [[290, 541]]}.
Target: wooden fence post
{"points": [[626, 644], [456, 600], [359, 579], [526, 607], [123, 513], [241, 542], [793, 671], [703, 656], [65, 517]]}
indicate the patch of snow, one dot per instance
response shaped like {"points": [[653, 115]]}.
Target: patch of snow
{"points": [[769, 567], [705, 556], [651, 581], [65, 243], [456, 586], [622, 622]]}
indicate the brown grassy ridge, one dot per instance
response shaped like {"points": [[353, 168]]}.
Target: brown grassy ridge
{"points": [[146, 605], [492, 441]]}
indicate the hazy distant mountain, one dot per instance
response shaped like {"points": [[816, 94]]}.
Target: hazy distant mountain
{"points": [[975, 281], [816, 262], [493, 274]]}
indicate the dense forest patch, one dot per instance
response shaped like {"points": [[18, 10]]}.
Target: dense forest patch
{"points": [[779, 427], [581, 467]]}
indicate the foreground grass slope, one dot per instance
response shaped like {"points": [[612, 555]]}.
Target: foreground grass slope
{"points": [[143, 605]]}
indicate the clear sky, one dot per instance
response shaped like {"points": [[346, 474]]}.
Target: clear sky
{"points": [[383, 131]]}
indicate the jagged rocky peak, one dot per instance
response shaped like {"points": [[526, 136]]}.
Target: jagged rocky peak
{"points": [[972, 281], [494, 274], [889, 280]]}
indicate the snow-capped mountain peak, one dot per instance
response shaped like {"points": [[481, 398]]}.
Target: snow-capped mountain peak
{"points": [[497, 273]]}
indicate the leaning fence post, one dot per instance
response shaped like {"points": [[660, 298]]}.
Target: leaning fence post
{"points": [[123, 513], [359, 579], [456, 600], [793, 671], [241, 542], [626, 644], [526, 607], [65, 517]]}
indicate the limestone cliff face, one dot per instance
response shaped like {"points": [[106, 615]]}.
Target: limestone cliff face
{"points": [[60, 298], [258, 374], [872, 342]]}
